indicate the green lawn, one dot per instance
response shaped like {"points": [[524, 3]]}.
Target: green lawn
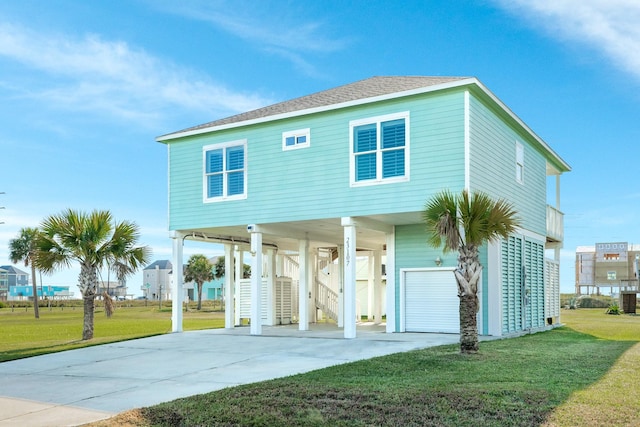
{"points": [[586, 373], [583, 374], [61, 328]]}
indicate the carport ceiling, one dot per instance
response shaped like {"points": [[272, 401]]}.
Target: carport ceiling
{"points": [[327, 232]]}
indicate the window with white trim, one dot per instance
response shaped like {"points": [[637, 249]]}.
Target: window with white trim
{"points": [[225, 171], [379, 148], [519, 163], [296, 139]]}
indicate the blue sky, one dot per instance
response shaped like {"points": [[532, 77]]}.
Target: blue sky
{"points": [[85, 87]]}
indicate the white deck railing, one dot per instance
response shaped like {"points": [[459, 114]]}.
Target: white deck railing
{"points": [[555, 224]]}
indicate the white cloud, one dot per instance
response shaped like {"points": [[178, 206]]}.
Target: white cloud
{"points": [[281, 31], [608, 26], [93, 74]]}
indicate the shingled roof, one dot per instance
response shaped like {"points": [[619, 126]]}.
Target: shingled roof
{"points": [[363, 89]]}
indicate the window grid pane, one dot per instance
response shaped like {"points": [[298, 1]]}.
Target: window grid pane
{"points": [[214, 161], [235, 183], [392, 163], [235, 158], [393, 134], [365, 166], [365, 138], [214, 185]]}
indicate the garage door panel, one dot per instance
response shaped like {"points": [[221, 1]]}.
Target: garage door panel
{"points": [[431, 301]]}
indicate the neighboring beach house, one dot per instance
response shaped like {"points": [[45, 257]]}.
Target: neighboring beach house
{"points": [[305, 187], [156, 280]]}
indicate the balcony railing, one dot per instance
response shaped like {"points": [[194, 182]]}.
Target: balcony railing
{"points": [[555, 224]]}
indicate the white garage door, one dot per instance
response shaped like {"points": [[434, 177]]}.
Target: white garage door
{"points": [[431, 302]]}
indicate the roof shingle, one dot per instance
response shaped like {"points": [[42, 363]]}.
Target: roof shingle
{"points": [[367, 88]]}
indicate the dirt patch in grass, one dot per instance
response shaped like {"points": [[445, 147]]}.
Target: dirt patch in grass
{"points": [[133, 418], [312, 406]]}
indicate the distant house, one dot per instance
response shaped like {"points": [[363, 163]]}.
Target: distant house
{"points": [[45, 291], [326, 178], [156, 280], [15, 276], [14, 285], [212, 290], [10, 278], [609, 266], [4, 284], [115, 289]]}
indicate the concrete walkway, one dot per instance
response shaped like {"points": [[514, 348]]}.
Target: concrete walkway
{"points": [[94, 383]]}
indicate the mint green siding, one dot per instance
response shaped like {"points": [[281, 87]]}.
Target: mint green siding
{"points": [[412, 251], [493, 166], [314, 182]]}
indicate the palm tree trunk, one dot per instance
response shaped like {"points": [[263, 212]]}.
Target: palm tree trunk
{"points": [[468, 324], [87, 326], [87, 282], [467, 275], [36, 309], [199, 296]]}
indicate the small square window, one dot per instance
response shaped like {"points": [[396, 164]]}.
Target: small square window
{"points": [[296, 139], [611, 275]]}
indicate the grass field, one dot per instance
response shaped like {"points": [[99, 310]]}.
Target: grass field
{"points": [[61, 328], [584, 374]]}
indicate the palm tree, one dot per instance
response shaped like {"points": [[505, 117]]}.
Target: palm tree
{"points": [[91, 240], [198, 270], [23, 248], [218, 269], [464, 223]]}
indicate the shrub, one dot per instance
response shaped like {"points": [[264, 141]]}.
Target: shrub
{"points": [[614, 309], [596, 301]]}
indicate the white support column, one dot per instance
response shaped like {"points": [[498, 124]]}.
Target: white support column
{"points": [[271, 287], [279, 265], [303, 287], [349, 277], [256, 282], [370, 287], [340, 286], [178, 279], [377, 287], [391, 282], [313, 275], [229, 286], [239, 267]]}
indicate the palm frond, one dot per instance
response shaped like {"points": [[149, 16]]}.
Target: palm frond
{"points": [[441, 218]]}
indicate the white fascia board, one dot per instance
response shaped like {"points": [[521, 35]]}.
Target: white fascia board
{"points": [[507, 110], [434, 88]]}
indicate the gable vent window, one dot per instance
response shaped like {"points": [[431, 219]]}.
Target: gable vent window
{"points": [[296, 139], [380, 149], [225, 171]]}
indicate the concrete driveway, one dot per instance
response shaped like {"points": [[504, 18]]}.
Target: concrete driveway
{"points": [[89, 384]]}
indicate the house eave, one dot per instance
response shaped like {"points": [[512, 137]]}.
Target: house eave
{"points": [[298, 113], [557, 163]]}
